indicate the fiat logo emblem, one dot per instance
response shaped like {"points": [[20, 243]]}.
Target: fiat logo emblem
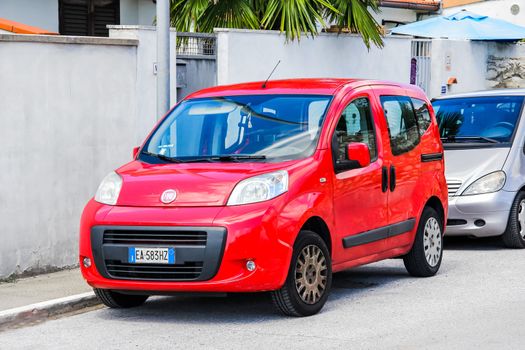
{"points": [[168, 196]]}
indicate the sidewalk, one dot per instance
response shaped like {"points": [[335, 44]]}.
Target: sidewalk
{"points": [[33, 299]]}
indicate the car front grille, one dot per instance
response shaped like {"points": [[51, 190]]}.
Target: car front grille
{"points": [[197, 250], [152, 237], [453, 187], [187, 271]]}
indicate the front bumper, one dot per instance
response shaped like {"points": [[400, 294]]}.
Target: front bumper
{"points": [[480, 215], [235, 235]]}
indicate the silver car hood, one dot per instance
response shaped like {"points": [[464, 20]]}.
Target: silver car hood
{"points": [[468, 165]]}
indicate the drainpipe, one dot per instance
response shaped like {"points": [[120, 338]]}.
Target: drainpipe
{"points": [[163, 57]]}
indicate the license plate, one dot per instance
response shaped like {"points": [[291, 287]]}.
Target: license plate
{"points": [[139, 255]]}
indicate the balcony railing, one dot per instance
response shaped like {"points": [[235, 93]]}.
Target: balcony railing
{"points": [[196, 45]]}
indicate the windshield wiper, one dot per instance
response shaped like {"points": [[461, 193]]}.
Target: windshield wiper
{"points": [[468, 138], [214, 158], [225, 158], [162, 156]]}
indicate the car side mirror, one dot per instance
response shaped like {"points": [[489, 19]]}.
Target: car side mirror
{"points": [[135, 152], [359, 152]]}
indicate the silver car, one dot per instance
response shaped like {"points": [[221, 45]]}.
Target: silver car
{"points": [[484, 163]]}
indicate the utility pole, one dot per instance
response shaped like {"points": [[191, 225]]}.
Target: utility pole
{"points": [[163, 57]]}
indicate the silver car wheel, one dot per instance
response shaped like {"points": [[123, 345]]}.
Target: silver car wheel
{"points": [[432, 241], [521, 218], [311, 274]]}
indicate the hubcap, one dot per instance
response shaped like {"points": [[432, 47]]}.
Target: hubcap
{"points": [[310, 274], [432, 241], [521, 218]]}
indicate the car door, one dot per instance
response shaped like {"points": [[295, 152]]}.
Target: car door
{"points": [[360, 195], [403, 160]]}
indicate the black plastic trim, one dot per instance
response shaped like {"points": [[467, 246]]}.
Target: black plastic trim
{"points": [[392, 178], [456, 222], [384, 179], [379, 233], [210, 254], [431, 157]]}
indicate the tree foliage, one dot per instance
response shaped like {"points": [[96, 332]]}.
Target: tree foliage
{"points": [[293, 17]]}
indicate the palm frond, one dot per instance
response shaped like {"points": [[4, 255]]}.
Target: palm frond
{"points": [[295, 17], [185, 14], [229, 14], [354, 15]]}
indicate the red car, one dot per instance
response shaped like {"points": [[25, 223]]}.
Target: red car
{"points": [[271, 187]]}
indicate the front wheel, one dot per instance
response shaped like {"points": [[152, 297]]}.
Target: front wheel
{"points": [[117, 300], [309, 278], [514, 235], [426, 254]]}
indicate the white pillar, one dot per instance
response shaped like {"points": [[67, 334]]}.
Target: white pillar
{"points": [[163, 57]]}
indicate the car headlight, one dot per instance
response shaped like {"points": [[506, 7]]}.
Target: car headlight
{"points": [[492, 182], [109, 189], [259, 188]]}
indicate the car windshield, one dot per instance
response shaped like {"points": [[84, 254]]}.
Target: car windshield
{"points": [[239, 128], [478, 119]]}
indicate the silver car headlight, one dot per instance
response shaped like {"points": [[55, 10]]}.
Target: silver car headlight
{"points": [[492, 182], [260, 188], [109, 189]]}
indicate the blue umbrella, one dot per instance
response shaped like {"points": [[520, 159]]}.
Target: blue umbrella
{"points": [[463, 25]]}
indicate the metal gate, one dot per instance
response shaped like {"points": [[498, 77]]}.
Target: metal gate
{"points": [[420, 64]]}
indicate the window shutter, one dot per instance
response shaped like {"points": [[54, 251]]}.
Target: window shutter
{"points": [[106, 13], [88, 17], [73, 18]]}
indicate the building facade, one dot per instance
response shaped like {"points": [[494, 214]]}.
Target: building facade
{"points": [[78, 17]]}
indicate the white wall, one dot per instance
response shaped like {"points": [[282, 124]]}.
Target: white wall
{"points": [[251, 55], [146, 79], [394, 14], [137, 12], [463, 59], [66, 120], [71, 110], [38, 13], [494, 8]]}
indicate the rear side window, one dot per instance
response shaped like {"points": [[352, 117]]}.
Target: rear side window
{"points": [[402, 124], [355, 125], [422, 114]]}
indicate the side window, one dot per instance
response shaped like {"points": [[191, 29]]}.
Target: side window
{"points": [[422, 114], [355, 125], [402, 124]]}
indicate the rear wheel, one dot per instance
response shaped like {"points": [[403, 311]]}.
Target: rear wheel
{"points": [[117, 300], [514, 235], [426, 254], [309, 278]]}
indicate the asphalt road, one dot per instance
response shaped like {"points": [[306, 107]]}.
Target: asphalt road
{"points": [[477, 301]]}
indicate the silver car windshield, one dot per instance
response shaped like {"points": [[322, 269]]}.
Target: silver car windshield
{"points": [[489, 119]]}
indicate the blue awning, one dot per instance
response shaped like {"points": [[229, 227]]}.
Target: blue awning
{"points": [[463, 25]]}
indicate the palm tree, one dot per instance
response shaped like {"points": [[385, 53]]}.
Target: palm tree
{"points": [[293, 17]]}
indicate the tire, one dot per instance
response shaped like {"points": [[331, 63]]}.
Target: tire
{"points": [[117, 300], [313, 285], [514, 235], [429, 239]]}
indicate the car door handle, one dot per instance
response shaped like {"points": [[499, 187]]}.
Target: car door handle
{"points": [[392, 178], [384, 179]]}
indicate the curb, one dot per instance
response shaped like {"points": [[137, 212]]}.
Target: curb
{"points": [[40, 311]]}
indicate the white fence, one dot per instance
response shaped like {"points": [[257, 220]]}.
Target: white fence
{"points": [[71, 110], [244, 55]]}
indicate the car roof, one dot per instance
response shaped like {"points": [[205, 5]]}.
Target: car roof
{"points": [[309, 86], [495, 92]]}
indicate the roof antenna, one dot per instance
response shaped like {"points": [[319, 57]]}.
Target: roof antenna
{"points": [[273, 70]]}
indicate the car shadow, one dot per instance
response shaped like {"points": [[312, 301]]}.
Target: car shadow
{"points": [[472, 243], [250, 307]]}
